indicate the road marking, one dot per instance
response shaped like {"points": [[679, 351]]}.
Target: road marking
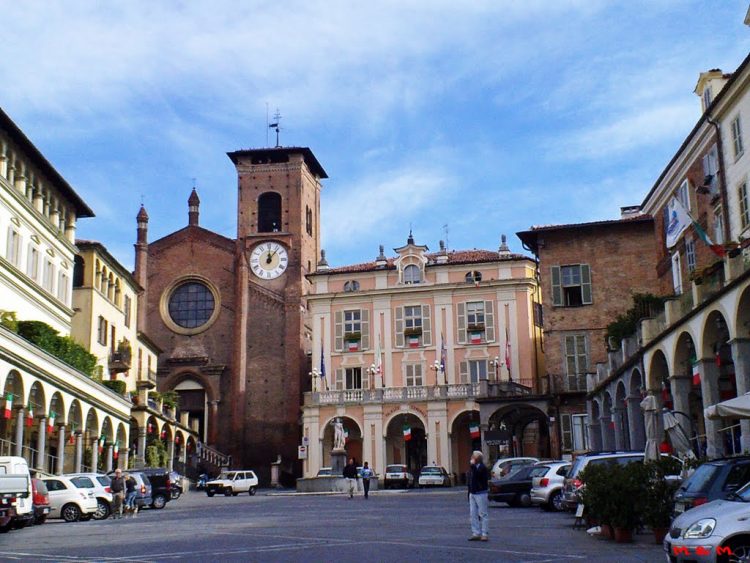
{"points": [[508, 551]]}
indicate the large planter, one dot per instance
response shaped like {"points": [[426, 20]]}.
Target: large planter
{"points": [[623, 535], [659, 534], [607, 532]]}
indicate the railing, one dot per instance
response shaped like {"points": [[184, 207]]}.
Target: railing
{"points": [[711, 286], [731, 438], [119, 362]]}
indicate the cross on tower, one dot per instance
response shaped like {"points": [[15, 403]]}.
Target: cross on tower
{"points": [[275, 125]]}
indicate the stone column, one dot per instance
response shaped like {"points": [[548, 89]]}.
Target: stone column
{"points": [[681, 386], [636, 423], [123, 459], [95, 454], [619, 419], [78, 452], [19, 431], [140, 454], [41, 446], [212, 424], [170, 455], [60, 469], [108, 459], [710, 389], [741, 358], [484, 427], [606, 431]]}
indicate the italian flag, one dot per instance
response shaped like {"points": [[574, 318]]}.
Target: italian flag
{"points": [[116, 450], [51, 422], [72, 438], [696, 374], [407, 432], [474, 431], [30, 416], [475, 337], [346, 435], [352, 345], [413, 341], [8, 406], [715, 248], [100, 444]]}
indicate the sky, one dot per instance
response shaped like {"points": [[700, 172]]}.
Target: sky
{"points": [[461, 120]]}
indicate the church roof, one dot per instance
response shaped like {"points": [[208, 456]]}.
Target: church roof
{"points": [[455, 257], [280, 154]]}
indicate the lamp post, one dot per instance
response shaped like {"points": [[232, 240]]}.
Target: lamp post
{"points": [[496, 365], [314, 375], [437, 367], [371, 373]]}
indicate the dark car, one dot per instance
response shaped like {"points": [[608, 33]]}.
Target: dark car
{"points": [[716, 479], [40, 500], [143, 489], [515, 488], [161, 485]]}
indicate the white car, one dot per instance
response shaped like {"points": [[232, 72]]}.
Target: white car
{"points": [[14, 465], [547, 483], [398, 476], [434, 476], [100, 483], [233, 483], [68, 502], [508, 465]]}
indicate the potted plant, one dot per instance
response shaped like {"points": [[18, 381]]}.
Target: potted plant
{"points": [[595, 498], [657, 500]]}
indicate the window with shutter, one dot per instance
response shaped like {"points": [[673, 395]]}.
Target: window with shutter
{"points": [[338, 331], [566, 430], [399, 327], [586, 296], [557, 299], [340, 379], [463, 372], [426, 326], [737, 138], [365, 329], [413, 374], [489, 321], [461, 323]]}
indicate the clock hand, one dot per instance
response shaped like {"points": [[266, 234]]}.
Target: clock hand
{"points": [[269, 257]]}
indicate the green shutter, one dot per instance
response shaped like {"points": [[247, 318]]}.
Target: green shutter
{"points": [[586, 284], [489, 322], [463, 371], [557, 296], [566, 431]]}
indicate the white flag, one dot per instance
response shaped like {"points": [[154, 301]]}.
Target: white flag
{"points": [[379, 364], [677, 221]]}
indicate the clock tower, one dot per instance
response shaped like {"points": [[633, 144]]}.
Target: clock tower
{"points": [[278, 244]]}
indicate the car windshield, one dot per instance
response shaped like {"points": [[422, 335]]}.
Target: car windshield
{"points": [[226, 476], [700, 480], [104, 481], [82, 482], [431, 471]]}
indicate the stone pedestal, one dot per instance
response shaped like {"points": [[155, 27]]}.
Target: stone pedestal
{"points": [[275, 470], [338, 462]]}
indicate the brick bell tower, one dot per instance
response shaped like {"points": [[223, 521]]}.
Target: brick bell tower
{"points": [[278, 244]]}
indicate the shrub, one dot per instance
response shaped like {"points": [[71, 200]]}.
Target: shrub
{"points": [[8, 320], [62, 347], [118, 387], [625, 325]]}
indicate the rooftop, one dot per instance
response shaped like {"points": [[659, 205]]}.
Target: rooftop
{"points": [[529, 237], [280, 155]]}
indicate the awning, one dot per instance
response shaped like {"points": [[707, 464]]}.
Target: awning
{"points": [[739, 407]]}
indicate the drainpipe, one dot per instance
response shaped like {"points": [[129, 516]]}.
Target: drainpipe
{"points": [[722, 180]]}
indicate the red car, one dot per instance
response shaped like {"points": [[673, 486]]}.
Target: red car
{"points": [[40, 501]]}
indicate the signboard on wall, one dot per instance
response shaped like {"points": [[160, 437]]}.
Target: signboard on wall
{"points": [[497, 437], [301, 452]]}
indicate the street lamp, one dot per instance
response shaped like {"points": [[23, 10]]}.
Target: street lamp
{"points": [[437, 367], [496, 364], [314, 374], [371, 372]]}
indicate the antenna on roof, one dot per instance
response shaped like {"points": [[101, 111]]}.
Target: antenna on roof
{"points": [[446, 230], [275, 125]]}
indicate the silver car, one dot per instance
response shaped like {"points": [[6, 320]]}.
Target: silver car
{"points": [[546, 489], [716, 531]]}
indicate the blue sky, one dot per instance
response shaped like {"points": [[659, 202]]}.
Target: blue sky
{"points": [[489, 116]]}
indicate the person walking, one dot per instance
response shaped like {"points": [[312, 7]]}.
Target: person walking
{"points": [[367, 474], [350, 474], [130, 494], [117, 486], [478, 482]]}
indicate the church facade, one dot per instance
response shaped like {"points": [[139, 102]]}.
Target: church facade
{"points": [[230, 313]]}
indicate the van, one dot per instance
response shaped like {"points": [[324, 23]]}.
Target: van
{"points": [[14, 465]]}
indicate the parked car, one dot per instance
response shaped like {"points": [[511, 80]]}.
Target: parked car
{"points": [[507, 465], [397, 476], [143, 489], [232, 483], [434, 476], [515, 488], [40, 500], [546, 488], [68, 501], [14, 465], [161, 486], [100, 483], [716, 479], [11, 488], [718, 528]]}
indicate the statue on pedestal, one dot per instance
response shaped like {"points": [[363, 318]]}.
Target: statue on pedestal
{"points": [[339, 441]]}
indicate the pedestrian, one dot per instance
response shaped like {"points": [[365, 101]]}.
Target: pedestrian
{"points": [[366, 475], [130, 494], [117, 486], [478, 481], [350, 474]]}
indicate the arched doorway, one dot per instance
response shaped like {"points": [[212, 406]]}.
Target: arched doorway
{"points": [[635, 415], [720, 381], [91, 440], [595, 434], [465, 438], [37, 406], [192, 399], [686, 391], [13, 389], [353, 439], [526, 429], [269, 213], [406, 442], [621, 418], [607, 424]]}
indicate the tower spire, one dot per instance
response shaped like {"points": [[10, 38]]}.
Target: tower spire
{"points": [[194, 203]]}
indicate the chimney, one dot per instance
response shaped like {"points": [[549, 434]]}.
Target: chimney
{"points": [[323, 263], [141, 264], [442, 256], [194, 204], [629, 211], [381, 261], [503, 250]]}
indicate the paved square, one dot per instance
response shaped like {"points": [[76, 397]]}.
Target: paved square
{"points": [[390, 526]]}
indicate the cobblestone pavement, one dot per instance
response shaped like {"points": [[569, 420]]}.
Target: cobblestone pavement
{"points": [[390, 526]]}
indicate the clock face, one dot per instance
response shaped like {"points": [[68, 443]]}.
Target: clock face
{"points": [[269, 260]]}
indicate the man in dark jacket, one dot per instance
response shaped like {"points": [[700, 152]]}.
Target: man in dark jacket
{"points": [[478, 481], [350, 474], [117, 486]]}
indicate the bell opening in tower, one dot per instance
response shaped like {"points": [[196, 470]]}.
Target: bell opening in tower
{"points": [[269, 213]]}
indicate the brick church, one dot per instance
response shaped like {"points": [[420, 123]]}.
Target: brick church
{"points": [[229, 314]]}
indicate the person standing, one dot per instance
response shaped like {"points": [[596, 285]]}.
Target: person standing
{"points": [[478, 481], [367, 474], [350, 474], [130, 494], [117, 486]]}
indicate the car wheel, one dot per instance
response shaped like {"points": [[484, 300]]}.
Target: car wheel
{"points": [[740, 548], [210, 493], [85, 517], [70, 512], [235, 493], [159, 502], [102, 509], [39, 520], [176, 493], [227, 492], [6, 528], [251, 492], [556, 502], [524, 500]]}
